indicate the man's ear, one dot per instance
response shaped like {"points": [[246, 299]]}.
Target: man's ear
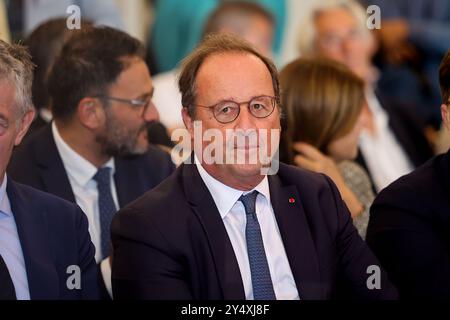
{"points": [[24, 125], [445, 112], [90, 112], [188, 121]]}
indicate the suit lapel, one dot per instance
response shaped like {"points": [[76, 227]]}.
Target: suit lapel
{"points": [[297, 239], [53, 173], [202, 203], [33, 234]]}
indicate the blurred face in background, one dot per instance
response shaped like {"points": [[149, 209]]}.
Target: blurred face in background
{"points": [[257, 30], [346, 147], [339, 37], [260, 34], [125, 130]]}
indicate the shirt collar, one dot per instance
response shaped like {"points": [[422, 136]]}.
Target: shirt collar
{"points": [[224, 196], [5, 207], [77, 167]]}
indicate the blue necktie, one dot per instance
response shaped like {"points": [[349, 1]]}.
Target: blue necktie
{"points": [[106, 206], [259, 268]]}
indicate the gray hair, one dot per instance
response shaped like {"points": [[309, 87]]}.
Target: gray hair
{"points": [[16, 68], [307, 28]]}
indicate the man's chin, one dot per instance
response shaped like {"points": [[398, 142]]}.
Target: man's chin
{"points": [[246, 170]]}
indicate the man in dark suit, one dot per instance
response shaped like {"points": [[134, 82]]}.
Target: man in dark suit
{"points": [[45, 248], [409, 227], [222, 228], [96, 151]]}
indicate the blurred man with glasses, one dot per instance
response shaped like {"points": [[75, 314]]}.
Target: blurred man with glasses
{"points": [[96, 151], [226, 230]]}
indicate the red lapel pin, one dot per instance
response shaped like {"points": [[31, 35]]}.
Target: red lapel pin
{"points": [[291, 200]]}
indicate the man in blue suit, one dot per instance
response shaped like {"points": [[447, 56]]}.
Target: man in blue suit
{"points": [[45, 248], [228, 227]]}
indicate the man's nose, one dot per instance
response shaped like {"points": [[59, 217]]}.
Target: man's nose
{"points": [[245, 120], [151, 113]]}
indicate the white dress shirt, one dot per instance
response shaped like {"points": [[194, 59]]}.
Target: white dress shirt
{"points": [[10, 247], [234, 218], [81, 173], [384, 156]]}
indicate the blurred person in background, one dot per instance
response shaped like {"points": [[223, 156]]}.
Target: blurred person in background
{"points": [[393, 142], [247, 20], [44, 44], [323, 104], [413, 39], [409, 225], [179, 26], [96, 152]]}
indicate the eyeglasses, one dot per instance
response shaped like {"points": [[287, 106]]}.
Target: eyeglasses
{"points": [[138, 103], [228, 111], [334, 40]]}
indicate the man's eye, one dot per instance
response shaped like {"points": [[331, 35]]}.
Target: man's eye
{"points": [[3, 127], [226, 109]]}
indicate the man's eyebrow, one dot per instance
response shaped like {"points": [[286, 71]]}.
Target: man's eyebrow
{"points": [[147, 94], [233, 99]]}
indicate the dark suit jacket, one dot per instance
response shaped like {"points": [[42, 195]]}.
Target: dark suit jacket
{"points": [[172, 243], [409, 230], [37, 163], [54, 235], [409, 131]]}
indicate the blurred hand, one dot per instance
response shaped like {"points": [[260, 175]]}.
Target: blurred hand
{"points": [[312, 159]]}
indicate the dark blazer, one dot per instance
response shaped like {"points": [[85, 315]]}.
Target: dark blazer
{"points": [[408, 128], [409, 230], [37, 163], [172, 243], [54, 235]]}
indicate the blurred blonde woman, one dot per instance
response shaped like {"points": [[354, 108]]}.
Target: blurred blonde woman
{"points": [[323, 103]]}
